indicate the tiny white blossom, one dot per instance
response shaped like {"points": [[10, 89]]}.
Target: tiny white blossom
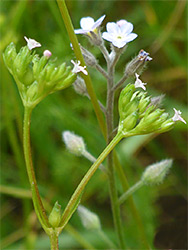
{"points": [[47, 53], [119, 33], [31, 43], [177, 116], [88, 24], [77, 68], [138, 83]]}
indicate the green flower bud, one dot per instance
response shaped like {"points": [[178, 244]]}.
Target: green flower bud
{"points": [[166, 126], [89, 219], [74, 143], [55, 215], [36, 77], [143, 104], [156, 173], [129, 122], [9, 56]]}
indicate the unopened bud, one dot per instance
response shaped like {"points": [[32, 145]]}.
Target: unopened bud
{"points": [[89, 58], [156, 173], [95, 37], [47, 53], [74, 143], [80, 87], [156, 101], [166, 126], [9, 56], [138, 63], [129, 122], [55, 215], [89, 219], [125, 97]]}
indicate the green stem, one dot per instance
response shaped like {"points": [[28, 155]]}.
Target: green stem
{"points": [[54, 240], [106, 239], [74, 41], [39, 209], [111, 171], [87, 177], [79, 237], [131, 203], [129, 192], [79, 56]]}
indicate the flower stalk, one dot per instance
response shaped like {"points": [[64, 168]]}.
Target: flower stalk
{"points": [[37, 202], [79, 56], [70, 206]]}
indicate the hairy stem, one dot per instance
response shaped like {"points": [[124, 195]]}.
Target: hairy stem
{"points": [[121, 81], [54, 240], [79, 56], [130, 191], [39, 209], [111, 172], [86, 179]]}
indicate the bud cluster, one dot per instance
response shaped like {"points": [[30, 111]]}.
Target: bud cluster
{"points": [[36, 77], [138, 115]]}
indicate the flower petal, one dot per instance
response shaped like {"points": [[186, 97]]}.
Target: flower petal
{"points": [[86, 23], [126, 28], [107, 36], [81, 31], [119, 43], [112, 28], [130, 37], [98, 22]]}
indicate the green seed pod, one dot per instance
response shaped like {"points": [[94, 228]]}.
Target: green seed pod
{"points": [[55, 215]]}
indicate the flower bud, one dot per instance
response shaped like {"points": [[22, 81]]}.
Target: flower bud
{"points": [[89, 219], [95, 37], [80, 87], [156, 100], [89, 58], [124, 99], [166, 126], [129, 122], [143, 104], [156, 173], [74, 143], [32, 92], [36, 77], [55, 215], [138, 63], [9, 56], [47, 53]]}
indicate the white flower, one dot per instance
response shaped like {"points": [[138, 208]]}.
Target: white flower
{"points": [[119, 33], [88, 24], [77, 68], [138, 83], [177, 116], [31, 43], [47, 53]]}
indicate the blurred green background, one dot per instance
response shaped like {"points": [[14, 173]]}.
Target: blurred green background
{"points": [[162, 32]]}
